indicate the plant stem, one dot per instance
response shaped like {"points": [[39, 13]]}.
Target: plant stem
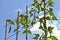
{"points": [[45, 22], [6, 32], [17, 26], [26, 23]]}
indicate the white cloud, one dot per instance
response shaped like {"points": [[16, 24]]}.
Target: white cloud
{"points": [[56, 32], [41, 16], [35, 29]]}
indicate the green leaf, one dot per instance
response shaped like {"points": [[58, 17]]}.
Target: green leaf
{"points": [[40, 27], [51, 13], [21, 15], [50, 9], [29, 32], [36, 36], [44, 37], [35, 1], [54, 18], [42, 9], [28, 22], [33, 4], [53, 38], [48, 18], [37, 5], [37, 17], [16, 30], [9, 29], [10, 21], [24, 32], [33, 22], [38, 8], [23, 19], [26, 16], [31, 11], [50, 29], [50, 3], [41, 19]]}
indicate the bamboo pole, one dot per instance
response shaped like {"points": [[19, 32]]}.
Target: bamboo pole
{"points": [[26, 22], [17, 26], [45, 22], [6, 32]]}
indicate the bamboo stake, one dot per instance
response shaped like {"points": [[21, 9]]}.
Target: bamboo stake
{"points": [[26, 22], [45, 22], [17, 26], [6, 32]]}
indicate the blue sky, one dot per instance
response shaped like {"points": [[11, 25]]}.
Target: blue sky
{"points": [[8, 9]]}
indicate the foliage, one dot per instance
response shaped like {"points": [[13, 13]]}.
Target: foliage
{"points": [[29, 32], [50, 29], [36, 36], [46, 7], [25, 19], [11, 23], [53, 38]]}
